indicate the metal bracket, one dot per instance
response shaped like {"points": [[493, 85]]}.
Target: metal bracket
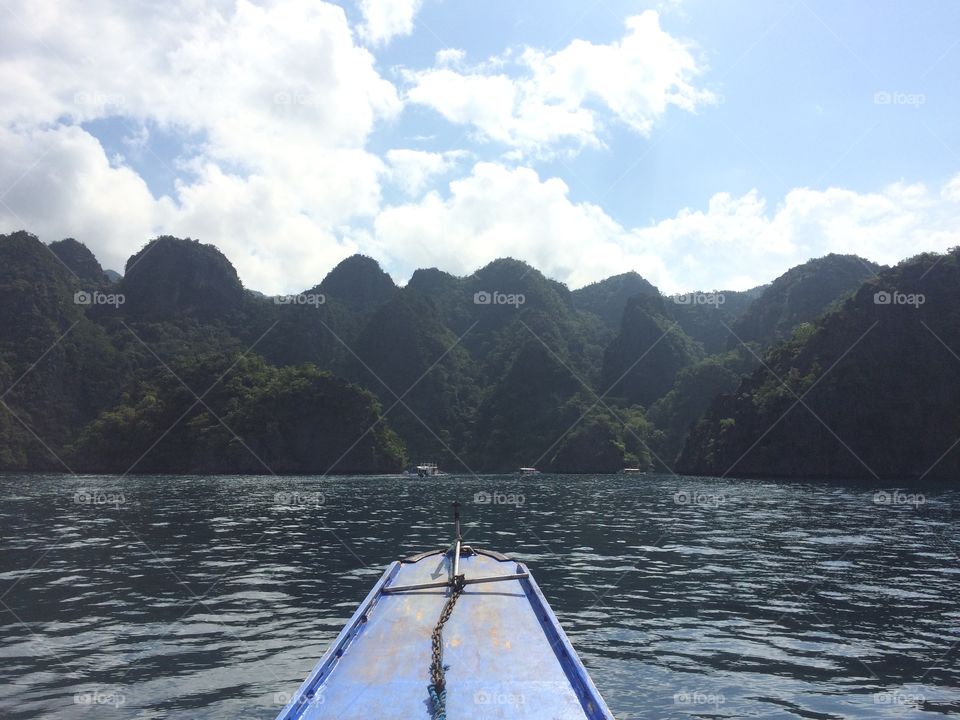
{"points": [[448, 583]]}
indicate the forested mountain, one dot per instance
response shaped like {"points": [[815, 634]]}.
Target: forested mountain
{"points": [[78, 260], [358, 282], [321, 325], [58, 366], [708, 317], [468, 350], [172, 279], [643, 361], [745, 324], [176, 367], [93, 372], [224, 413], [694, 389], [415, 365], [802, 294], [607, 298], [870, 390]]}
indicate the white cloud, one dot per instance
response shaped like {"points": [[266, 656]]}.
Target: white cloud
{"points": [[413, 170], [386, 19], [499, 211], [136, 140], [281, 97], [566, 97], [262, 228], [58, 182], [735, 243], [951, 190], [284, 101], [450, 56]]}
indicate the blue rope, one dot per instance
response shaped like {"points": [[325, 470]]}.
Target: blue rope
{"points": [[439, 701]]}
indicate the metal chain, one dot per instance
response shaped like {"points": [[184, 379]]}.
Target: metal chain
{"points": [[438, 690]]}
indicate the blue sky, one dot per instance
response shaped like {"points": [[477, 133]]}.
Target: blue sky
{"points": [[702, 144], [798, 82]]}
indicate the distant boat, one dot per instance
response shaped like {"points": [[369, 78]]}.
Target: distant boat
{"points": [[528, 471], [429, 470], [632, 471], [459, 633]]}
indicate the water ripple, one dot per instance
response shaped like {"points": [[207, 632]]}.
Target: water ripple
{"points": [[686, 597]]}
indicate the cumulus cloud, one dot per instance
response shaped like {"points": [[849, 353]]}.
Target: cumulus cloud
{"points": [[734, 243], [279, 102], [281, 99], [413, 170], [58, 182], [386, 19], [450, 56], [498, 211], [566, 97]]}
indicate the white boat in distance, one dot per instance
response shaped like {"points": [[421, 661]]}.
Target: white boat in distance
{"points": [[528, 471], [429, 469]]}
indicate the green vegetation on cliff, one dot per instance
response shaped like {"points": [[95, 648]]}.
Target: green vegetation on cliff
{"points": [[802, 294], [495, 370], [869, 390], [218, 414]]}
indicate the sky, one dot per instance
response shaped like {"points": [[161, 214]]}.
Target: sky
{"points": [[704, 144]]}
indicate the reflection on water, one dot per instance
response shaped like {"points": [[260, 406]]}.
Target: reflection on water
{"points": [[185, 597]]}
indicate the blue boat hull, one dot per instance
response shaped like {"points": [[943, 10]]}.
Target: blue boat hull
{"points": [[505, 654]]}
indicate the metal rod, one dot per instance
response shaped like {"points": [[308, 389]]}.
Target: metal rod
{"points": [[446, 583], [457, 539]]}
